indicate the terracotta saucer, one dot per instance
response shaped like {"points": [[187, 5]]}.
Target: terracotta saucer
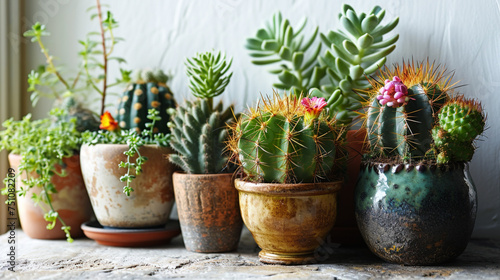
{"points": [[120, 237]]}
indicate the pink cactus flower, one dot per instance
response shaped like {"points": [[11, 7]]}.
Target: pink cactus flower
{"points": [[394, 94], [313, 107]]}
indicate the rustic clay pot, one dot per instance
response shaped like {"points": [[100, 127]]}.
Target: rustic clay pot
{"points": [[150, 203], [416, 215], [209, 211], [288, 221], [71, 202], [345, 231]]}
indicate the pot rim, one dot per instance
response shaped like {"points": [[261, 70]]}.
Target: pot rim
{"points": [[279, 189], [396, 167], [184, 174]]}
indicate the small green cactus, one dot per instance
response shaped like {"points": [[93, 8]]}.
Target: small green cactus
{"points": [[460, 122], [149, 91], [286, 142], [399, 119], [198, 128], [355, 51]]}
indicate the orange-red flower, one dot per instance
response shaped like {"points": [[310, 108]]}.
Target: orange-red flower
{"points": [[108, 122]]}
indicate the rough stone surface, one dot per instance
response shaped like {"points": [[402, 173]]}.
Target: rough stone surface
{"points": [[85, 259]]}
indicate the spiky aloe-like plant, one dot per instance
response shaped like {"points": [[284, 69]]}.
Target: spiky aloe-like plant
{"points": [[356, 50], [198, 128], [286, 140], [402, 110], [279, 43]]}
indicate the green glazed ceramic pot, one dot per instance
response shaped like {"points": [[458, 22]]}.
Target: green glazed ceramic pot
{"points": [[415, 215]]}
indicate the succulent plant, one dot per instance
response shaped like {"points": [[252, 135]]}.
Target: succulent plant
{"points": [[357, 50], [279, 43], [198, 128], [461, 120], [403, 110], [285, 140], [149, 91]]}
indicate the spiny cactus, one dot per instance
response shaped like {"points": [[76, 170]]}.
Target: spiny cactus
{"points": [[357, 50], [284, 141], [149, 91], [461, 120], [198, 137], [402, 112], [279, 43], [199, 129]]}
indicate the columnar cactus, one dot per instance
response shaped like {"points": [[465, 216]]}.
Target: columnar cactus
{"points": [[149, 91], [285, 141], [198, 128], [402, 112], [461, 120], [357, 50]]}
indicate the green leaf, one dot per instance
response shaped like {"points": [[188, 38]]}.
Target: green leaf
{"points": [[288, 78], [350, 47], [342, 66], [297, 59], [365, 41], [270, 45], [381, 30], [253, 44], [263, 34], [345, 86], [285, 53], [349, 26], [386, 43], [369, 23], [369, 59], [375, 66], [355, 72], [266, 61]]}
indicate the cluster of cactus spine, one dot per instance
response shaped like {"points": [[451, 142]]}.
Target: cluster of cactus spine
{"points": [[148, 91], [198, 128], [404, 130], [461, 120], [284, 141], [354, 52], [279, 43]]}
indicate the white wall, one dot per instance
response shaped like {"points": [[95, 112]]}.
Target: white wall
{"points": [[463, 35]]}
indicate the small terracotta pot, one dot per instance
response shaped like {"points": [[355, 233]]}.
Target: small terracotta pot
{"points": [[415, 215], [150, 203], [71, 202], [209, 211], [288, 221]]}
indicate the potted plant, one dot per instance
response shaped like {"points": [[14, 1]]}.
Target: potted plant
{"points": [[415, 201], [127, 177], [46, 152], [355, 50], [207, 202], [288, 198]]}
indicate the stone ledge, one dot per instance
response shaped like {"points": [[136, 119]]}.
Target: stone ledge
{"points": [[85, 259]]}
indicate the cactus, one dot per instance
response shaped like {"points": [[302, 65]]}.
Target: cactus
{"points": [[199, 129], [279, 43], [460, 122], [149, 91], [355, 52], [281, 141], [402, 112]]}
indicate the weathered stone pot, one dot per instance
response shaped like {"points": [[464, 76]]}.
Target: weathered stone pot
{"points": [[415, 215], [288, 221], [209, 212], [150, 203], [71, 202]]}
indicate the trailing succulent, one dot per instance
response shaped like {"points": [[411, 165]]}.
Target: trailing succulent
{"points": [[198, 128], [148, 91], [412, 116], [286, 140], [353, 52]]}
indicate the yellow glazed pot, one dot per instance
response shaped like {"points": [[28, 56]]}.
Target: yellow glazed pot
{"points": [[288, 221]]}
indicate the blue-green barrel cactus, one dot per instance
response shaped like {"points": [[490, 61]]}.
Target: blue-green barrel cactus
{"points": [[403, 109], [285, 140], [149, 91]]}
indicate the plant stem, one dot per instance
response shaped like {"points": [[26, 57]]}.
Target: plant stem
{"points": [[103, 99], [49, 61]]}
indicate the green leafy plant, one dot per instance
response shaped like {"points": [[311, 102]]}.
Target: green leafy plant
{"points": [[42, 147], [198, 128]]}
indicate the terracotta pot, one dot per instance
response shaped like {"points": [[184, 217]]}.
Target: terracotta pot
{"points": [[209, 211], [346, 229], [150, 203], [288, 221], [416, 215], [71, 202]]}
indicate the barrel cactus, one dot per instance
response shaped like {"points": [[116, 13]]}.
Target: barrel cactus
{"points": [[199, 128], [461, 120], [412, 116], [285, 140], [149, 91]]}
